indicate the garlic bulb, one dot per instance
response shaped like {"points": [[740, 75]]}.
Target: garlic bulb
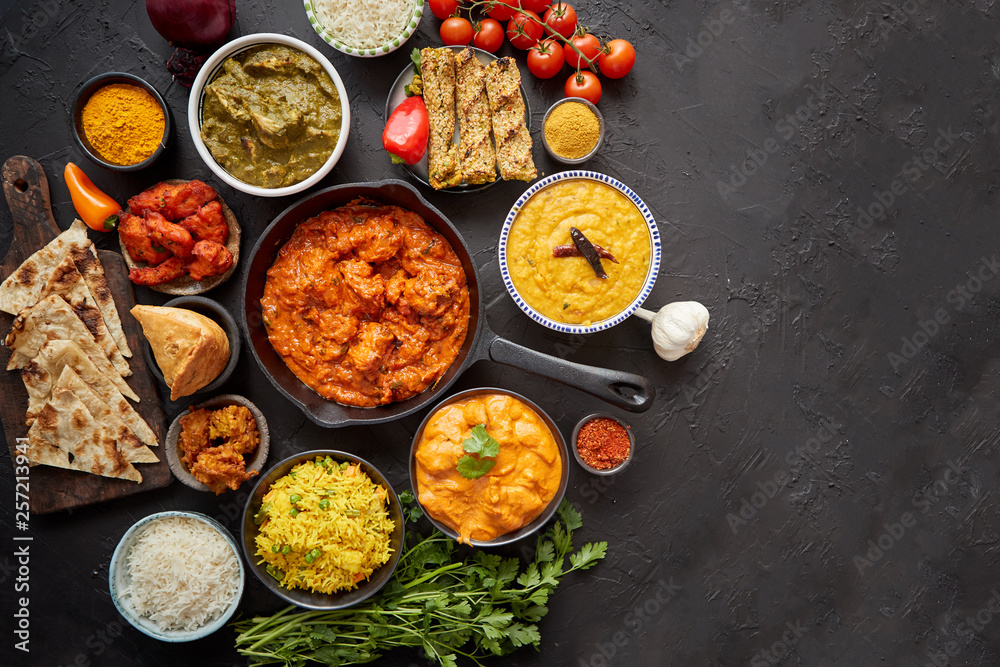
{"points": [[677, 327]]}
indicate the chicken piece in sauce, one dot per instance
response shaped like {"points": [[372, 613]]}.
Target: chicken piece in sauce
{"points": [[207, 223], [135, 236], [208, 258], [366, 304]]}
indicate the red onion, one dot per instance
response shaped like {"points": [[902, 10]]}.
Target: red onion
{"points": [[192, 23]]}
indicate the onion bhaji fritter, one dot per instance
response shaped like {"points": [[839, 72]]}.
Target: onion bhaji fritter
{"points": [[215, 445]]}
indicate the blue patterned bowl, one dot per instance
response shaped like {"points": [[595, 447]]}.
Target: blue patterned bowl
{"points": [[408, 29], [654, 263]]}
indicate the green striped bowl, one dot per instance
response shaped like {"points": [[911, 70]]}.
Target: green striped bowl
{"points": [[393, 44]]}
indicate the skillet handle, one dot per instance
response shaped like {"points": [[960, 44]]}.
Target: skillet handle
{"points": [[626, 390]]}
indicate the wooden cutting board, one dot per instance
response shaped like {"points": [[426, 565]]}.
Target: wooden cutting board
{"points": [[54, 489]]}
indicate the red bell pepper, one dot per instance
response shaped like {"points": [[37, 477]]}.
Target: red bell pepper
{"points": [[405, 134]]}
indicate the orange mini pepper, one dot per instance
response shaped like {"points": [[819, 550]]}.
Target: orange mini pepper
{"points": [[98, 210]]}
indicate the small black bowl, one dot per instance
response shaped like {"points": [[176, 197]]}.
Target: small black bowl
{"points": [[603, 471], [215, 312], [306, 598], [84, 94], [532, 526]]}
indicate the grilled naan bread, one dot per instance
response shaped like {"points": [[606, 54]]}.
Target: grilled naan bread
{"points": [[129, 445], [66, 435], [47, 366], [24, 287], [67, 282], [53, 319]]}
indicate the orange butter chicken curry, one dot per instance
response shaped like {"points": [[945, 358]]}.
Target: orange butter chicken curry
{"points": [[366, 304], [517, 489]]}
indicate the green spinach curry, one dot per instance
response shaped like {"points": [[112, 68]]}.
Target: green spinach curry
{"points": [[272, 117]]}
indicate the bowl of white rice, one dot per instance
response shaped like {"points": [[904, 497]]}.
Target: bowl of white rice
{"points": [[176, 576], [365, 28]]}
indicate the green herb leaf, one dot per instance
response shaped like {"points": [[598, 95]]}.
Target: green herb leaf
{"points": [[481, 442], [470, 467], [415, 57], [588, 555]]}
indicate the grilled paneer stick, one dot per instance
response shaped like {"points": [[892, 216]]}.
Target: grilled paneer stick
{"points": [[437, 71], [503, 87], [476, 148]]}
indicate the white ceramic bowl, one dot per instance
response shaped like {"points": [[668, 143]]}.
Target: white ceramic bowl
{"points": [[392, 45], [208, 72], [654, 260], [118, 580]]}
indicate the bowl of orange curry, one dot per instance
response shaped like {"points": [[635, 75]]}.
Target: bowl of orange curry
{"points": [[488, 467]]}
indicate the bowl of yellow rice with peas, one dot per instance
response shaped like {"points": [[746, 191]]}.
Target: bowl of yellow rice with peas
{"points": [[323, 530]]}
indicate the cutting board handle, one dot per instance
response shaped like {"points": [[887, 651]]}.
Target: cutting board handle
{"points": [[27, 191]]}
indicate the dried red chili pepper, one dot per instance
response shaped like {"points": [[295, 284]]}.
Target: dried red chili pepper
{"points": [[570, 250], [603, 443]]}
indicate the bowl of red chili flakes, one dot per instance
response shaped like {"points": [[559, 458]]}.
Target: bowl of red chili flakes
{"points": [[603, 444]]}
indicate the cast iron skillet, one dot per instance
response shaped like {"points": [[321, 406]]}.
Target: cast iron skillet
{"points": [[625, 390]]}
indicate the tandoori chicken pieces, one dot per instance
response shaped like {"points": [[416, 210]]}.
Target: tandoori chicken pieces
{"points": [[176, 229]]}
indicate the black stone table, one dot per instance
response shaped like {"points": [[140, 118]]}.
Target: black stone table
{"points": [[814, 484]]}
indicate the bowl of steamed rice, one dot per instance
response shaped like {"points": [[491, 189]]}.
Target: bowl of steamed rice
{"points": [[176, 576], [364, 28], [323, 530]]}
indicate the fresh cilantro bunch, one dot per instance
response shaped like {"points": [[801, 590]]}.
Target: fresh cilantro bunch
{"points": [[485, 448], [476, 607]]}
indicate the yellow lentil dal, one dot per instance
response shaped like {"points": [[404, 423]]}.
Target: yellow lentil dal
{"points": [[565, 289]]}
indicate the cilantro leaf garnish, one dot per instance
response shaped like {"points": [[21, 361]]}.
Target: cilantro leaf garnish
{"points": [[470, 467], [485, 450]]}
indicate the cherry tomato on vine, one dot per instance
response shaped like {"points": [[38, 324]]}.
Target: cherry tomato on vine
{"points": [[501, 12], [456, 31], [537, 6], [616, 59], [589, 46], [523, 32], [443, 8], [584, 84], [489, 35], [560, 19], [545, 59]]}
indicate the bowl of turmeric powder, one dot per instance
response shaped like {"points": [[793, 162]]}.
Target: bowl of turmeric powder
{"points": [[120, 121]]}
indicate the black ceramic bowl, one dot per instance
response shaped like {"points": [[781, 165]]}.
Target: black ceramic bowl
{"points": [[92, 86], [215, 312], [532, 527], [605, 471], [309, 599]]}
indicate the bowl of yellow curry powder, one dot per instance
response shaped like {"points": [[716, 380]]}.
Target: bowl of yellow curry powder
{"points": [[120, 121], [572, 130]]}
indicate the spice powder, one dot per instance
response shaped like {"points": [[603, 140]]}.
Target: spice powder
{"points": [[603, 443], [572, 130], [124, 123]]}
